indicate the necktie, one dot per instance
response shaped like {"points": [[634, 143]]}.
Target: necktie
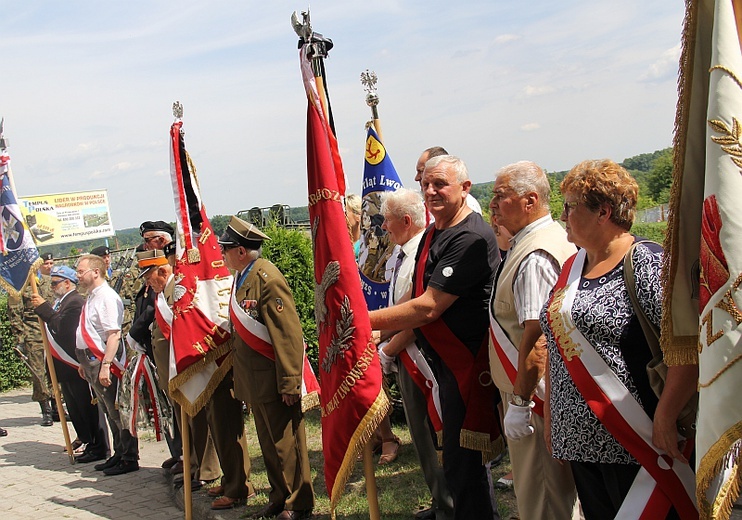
{"points": [[397, 267], [57, 304]]}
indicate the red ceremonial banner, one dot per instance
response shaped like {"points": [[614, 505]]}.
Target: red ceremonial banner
{"points": [[352, 400]]}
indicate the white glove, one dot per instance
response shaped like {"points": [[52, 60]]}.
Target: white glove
{"points": [[518, 421], [388, 366]]}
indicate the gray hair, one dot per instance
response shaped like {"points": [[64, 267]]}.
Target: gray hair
{"points": [[527, 176], [458, 166], [404, 202]]}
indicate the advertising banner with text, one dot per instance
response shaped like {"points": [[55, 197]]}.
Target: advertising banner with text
{"points": [[68, 217]]}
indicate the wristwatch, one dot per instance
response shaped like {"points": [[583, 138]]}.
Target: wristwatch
{"points": [[519, 400]]}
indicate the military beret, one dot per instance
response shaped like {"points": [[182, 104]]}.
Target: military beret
{"points": [[100, 251], [149, 260], [169, 249], [157, 225], [47, 256], [62, 271], [241, 233]]}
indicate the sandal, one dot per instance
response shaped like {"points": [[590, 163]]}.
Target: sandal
{"points": [[376, 444], [387, 458]]}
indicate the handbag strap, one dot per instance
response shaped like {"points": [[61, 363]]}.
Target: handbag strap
{"points": [[651, 332]]}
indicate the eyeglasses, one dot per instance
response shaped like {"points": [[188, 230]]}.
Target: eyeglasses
{"points": [[150, 239], [569, 206], [225, 248], [56, 282], [83, 273]]}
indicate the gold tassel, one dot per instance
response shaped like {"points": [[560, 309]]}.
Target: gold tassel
{"points": [[720, 455], [366, 428], [309, 402]]}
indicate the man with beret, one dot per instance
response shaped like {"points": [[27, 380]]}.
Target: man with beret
{"points": [[25, 325], [62, 319], [269, 376], [105, 253], [156, 234], [158, 275]]}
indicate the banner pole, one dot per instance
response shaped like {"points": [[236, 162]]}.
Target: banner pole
{"points": [[186, 436]]}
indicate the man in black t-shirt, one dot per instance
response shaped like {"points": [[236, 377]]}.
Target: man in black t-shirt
{"points": [[456, 262]]}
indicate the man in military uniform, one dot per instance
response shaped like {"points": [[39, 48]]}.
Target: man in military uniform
{"points": [[105, 253], [269, 377], [26, 327], [158, 274]]}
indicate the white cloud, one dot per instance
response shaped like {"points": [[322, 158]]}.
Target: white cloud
{"points": [[531, 91], [665, 67], [528, 127], [506, 38]]}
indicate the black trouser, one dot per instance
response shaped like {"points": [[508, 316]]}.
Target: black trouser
{"points": [[465, 474], [87, 418]]}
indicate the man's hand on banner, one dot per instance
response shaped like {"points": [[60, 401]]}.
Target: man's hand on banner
{"points": [[37, 300], [518, 421]]}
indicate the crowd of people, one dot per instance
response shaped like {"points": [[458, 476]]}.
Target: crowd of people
{"points": [[499, 335]]}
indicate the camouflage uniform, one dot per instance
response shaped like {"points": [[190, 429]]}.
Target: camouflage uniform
{"points": [[25, 325]]}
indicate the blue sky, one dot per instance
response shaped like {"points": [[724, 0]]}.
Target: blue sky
{"points": [[86, 90]]}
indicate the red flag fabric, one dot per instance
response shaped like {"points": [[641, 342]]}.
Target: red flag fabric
{"points": [[352, 400], [199, 357]]}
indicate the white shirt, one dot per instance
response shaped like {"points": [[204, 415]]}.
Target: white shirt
{"points": [[403, 280], [105, 310], [537, 274]]}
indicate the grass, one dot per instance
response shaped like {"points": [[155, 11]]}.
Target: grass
{"points": [[401, 487]]}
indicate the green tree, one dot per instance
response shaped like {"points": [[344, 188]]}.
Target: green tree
{"points": [[291, 251], [660, 177], [13, 372]]}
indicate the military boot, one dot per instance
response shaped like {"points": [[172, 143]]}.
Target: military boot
{"points": [[46, 413]]}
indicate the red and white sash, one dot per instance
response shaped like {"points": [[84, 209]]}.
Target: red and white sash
{"points": [[420, 372], [256, 336], [140, 374], [163, 315], [508, 356], [662, 481], [59, 353], [97, 346]]}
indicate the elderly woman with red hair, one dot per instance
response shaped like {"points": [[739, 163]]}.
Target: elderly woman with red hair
{"points": [[602, 413]]}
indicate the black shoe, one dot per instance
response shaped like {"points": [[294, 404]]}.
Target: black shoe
{"points": [[124, 466], [88, 456], [110, 463], [169, 463], [46, 413], [3, 432]]}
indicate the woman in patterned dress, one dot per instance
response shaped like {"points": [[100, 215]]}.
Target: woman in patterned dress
{"points": [[591, 309]]}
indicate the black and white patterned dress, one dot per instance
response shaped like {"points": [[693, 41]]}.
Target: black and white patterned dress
{"points": [[602, 311]]}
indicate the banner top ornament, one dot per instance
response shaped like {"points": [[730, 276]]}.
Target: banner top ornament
{"points": [[177, 110], [368, 80]]}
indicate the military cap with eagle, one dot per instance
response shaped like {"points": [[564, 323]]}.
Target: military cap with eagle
{"points": [[241, 233], [149, 260]]}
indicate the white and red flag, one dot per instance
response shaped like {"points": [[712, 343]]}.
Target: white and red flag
{"points": [[199, 354], [702, 311], [352, 400]]}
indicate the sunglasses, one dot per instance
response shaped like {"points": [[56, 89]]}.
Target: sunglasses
{"points": [[56, 282]]}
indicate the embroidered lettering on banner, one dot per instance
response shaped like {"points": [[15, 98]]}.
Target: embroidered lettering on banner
{"points": [[199, 348], [204, 236], [216, 264], [349, 381]]}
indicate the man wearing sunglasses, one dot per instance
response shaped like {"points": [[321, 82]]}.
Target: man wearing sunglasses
{"points": [[62, 318]]}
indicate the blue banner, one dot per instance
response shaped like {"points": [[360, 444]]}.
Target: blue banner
{"points": [[19, 254], [379, 176]]}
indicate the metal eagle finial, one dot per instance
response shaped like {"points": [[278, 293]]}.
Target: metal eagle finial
{"points": [[177, 110]]}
